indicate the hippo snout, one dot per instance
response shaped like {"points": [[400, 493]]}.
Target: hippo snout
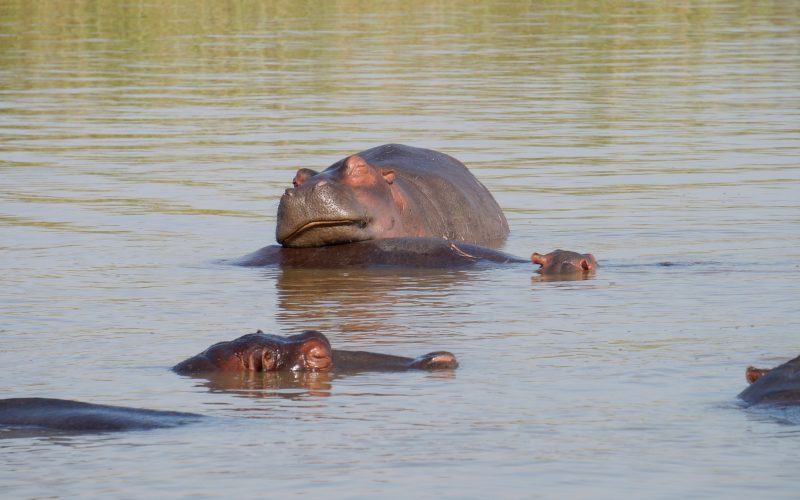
{"points": [[318, 213]]}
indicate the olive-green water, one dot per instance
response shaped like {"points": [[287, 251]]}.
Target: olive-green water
{"points": [[142, 141]]}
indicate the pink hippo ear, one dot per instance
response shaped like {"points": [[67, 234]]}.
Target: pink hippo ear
{"points": [[303, 175], [388, 175], [355, 166], [588, 262]]}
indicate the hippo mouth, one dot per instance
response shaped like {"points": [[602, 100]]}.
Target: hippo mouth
{"points": [[322, 224]]}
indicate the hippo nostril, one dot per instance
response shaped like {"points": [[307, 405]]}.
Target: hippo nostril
{"points": [[319, 358]]}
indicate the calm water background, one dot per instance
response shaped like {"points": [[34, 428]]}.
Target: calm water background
{"points": [[141, 142]]}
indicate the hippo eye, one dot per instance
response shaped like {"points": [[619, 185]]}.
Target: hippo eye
{"points": [[268, 361]]}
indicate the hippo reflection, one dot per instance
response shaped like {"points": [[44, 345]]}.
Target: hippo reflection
{"points": [[309, 351]]}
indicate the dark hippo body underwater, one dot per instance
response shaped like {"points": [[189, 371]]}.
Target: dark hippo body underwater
{"points": [[414, 253], [778, 386], [387, 192], [76, 416]]}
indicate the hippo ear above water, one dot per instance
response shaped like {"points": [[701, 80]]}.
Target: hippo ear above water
{"points": [[388, 175], [303, 175]]}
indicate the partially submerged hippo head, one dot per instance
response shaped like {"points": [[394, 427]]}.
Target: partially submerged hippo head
{"points": [[308, 351], [565, 262], [353, 202], [389, 191], [779, 385]]}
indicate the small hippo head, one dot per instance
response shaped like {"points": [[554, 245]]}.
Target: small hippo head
{"points": [[564, 262], [349, 201], [308, 351]]}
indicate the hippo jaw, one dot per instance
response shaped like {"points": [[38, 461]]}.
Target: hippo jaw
{"points": [[321, 213], [324, 232]]}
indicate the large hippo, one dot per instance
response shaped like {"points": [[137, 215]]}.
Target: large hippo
{"points": [[76, 416], [308, 351], [780, 385], [387, 192]]}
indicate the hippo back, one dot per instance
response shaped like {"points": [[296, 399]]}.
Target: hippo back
{"points": [[781, 386], [448, 197]]}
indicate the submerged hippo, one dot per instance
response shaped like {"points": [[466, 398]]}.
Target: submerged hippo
{"points": [[75, 416], [308, 351], [400, 252], [413, 253], [387, 192], [779, 385]]}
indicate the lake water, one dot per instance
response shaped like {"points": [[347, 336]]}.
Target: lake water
{"points": [[141, 142]]}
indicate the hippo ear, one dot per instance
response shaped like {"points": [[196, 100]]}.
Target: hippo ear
{"points": [[355, 165], [585, 265], [303, 175], [388, 175]]}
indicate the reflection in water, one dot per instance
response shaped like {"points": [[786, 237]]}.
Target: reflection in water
{"points": [[360, 300], [546, 278], [284, 384]]}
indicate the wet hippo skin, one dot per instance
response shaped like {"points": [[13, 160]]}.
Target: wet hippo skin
{"points": [[67, 415], [779, 385], [309, 351], [387, 192], [400, 252]]}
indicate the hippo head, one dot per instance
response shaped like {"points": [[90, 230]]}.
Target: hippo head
{"points": [[349, 201], [564, 262], [777, 386], [308, 351]]}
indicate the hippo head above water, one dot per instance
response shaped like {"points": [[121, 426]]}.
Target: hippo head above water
{"points": [[388, 192], [309, 351], [564, 262], [354, 202]]}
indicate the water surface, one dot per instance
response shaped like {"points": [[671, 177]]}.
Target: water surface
{"points": [[142, 142]]}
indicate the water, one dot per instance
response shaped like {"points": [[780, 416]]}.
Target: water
{"points": [[141, 142]]}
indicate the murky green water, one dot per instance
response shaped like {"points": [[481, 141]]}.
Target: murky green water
{"points": [[140, 142]]}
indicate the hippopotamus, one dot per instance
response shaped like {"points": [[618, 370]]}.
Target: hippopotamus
{"points": [[308, 351], [387, 192], [424, 252], [76, 416], [779, 385], [561, 262]]}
